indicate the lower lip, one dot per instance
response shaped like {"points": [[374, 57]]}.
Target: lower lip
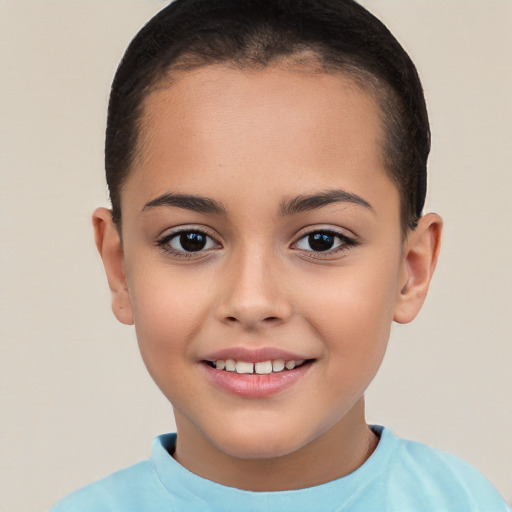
{"points": [[254, 385]]}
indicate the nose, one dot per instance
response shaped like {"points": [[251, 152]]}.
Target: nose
{"points": [[253, 291]]}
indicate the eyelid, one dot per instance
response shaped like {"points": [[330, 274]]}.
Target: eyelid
{"points": [[163, 240], [341, 232], [185, 228], [348, 241]]}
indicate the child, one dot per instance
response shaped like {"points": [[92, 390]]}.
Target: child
{"points": [[266, 161]]}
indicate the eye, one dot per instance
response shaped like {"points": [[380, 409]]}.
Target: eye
{"points": [[325, 241], [187, 242]]}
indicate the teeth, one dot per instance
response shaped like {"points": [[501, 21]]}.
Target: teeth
{"points": [[263, 368], [278, 365], [243, 367], [260, 368]]}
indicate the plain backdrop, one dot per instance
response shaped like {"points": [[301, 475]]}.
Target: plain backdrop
{"points": [[76, 401]]}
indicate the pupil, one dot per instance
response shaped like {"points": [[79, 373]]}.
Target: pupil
{"points": [[192, 241], [321, 241]]}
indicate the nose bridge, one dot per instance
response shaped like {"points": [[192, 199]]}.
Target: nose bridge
{"points": [[253, 293]]}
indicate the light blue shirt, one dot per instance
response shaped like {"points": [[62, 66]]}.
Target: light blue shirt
{"points": [[400, 476]]}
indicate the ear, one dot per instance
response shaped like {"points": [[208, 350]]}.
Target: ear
{"points": [[108, 242], [421, 251]]}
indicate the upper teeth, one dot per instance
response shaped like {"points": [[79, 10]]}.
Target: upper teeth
{"points": [[262, 367]]}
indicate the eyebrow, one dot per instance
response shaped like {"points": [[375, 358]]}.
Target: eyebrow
{"points": [[288, 207], [187, 201], [312, 202]]}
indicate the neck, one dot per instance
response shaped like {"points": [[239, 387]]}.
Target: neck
{"points": [[335, 453]]}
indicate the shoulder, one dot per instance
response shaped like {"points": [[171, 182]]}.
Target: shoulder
{"points": [[441, 478], [126, 490]]}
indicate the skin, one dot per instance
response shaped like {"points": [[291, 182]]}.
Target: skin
{"points": [[251, 140]]}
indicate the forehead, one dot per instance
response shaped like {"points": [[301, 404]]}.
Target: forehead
{"points": [[217, 99], [277, 128]]}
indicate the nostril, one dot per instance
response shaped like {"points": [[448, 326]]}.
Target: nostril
{"points": [[268, 319]]}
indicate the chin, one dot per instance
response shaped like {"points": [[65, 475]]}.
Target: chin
{"points": [[255, 450], [258, 442]]}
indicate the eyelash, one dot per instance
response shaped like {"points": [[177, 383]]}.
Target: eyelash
{"points": [[346, 242], [163, 243]]}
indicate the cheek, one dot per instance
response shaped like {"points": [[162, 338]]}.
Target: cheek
{"points": [[354, 323], [353, 309], [168, 311]]}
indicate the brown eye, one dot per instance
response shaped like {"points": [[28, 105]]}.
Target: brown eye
{"points": [[321, 241], [326, 242], [188, 242], [192, 242]]}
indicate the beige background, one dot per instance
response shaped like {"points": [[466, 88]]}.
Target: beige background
{"points": [[76, 401]]}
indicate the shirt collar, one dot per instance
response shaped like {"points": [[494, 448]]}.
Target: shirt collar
{"points": [[208, 495]]}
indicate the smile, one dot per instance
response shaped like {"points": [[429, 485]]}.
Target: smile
{"points": [[259, 368], [255, 379]]}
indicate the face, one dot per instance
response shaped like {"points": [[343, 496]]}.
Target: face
{"points": [[289, 252]]}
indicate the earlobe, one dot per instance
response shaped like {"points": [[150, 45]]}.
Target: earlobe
{"points": [[421, 251], [108, 242]]}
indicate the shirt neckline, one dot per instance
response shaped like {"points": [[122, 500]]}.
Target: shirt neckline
{"points": [[181, 483]]}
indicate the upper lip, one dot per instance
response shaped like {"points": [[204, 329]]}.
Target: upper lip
{"points": [[254, 354]]}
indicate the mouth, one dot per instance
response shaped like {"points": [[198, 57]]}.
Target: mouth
{"points": [[255, 379], [257, 368]]}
